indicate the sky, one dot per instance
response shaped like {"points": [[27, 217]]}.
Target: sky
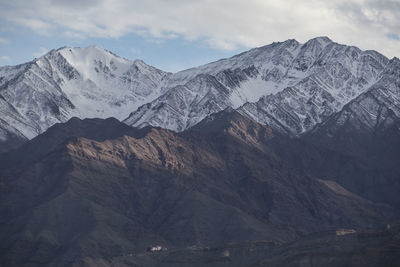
{"points": [[177, 34]]}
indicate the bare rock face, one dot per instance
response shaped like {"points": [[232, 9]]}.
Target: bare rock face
{"points": [[93, 195], [366, 137]]}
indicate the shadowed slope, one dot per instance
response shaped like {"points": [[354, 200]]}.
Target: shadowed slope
{"points": [[86, 199]]}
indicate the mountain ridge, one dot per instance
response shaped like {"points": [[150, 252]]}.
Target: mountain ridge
{"points": [[116, 193], [67, 82], [311, 80], [235, 162]]}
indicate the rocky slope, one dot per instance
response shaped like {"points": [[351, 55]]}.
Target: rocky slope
{"points": [[90, 196], [272, 144], [82, 82], [336, 74], [366, 134], [287, 85], [375, 110]]}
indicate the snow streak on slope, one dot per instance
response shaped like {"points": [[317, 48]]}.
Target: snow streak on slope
{"points": [[109, 85], [374, 110], [216, 86], [82, 82], [288, 85], [336, 75]]}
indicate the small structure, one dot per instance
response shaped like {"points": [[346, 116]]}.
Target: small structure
{"points": [[225, 253], [341, 232], [156, 248]]}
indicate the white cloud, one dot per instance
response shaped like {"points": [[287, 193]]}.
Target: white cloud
{"points": [[41, 52], [223, 24]]}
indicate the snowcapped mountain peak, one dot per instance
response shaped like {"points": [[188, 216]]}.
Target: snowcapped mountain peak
{"points": [[87, 51], [329, 75], [287, 85], [290, 43], [323, 40], [287, 43], [92, 60], [316, 45], [394, 61], [139, 62], [82, 82]]}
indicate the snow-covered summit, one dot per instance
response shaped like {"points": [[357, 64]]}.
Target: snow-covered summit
{"points": [[82, 82], [375, 110], [288, 85]]}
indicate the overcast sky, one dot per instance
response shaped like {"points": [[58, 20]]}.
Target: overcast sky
{"points": [[177, 34]]}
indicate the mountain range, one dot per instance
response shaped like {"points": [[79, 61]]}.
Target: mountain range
{"points": [[287, 85], [271, 157]]}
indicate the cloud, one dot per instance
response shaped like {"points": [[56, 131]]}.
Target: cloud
{"points": [[41, 52], [222, 24]]}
